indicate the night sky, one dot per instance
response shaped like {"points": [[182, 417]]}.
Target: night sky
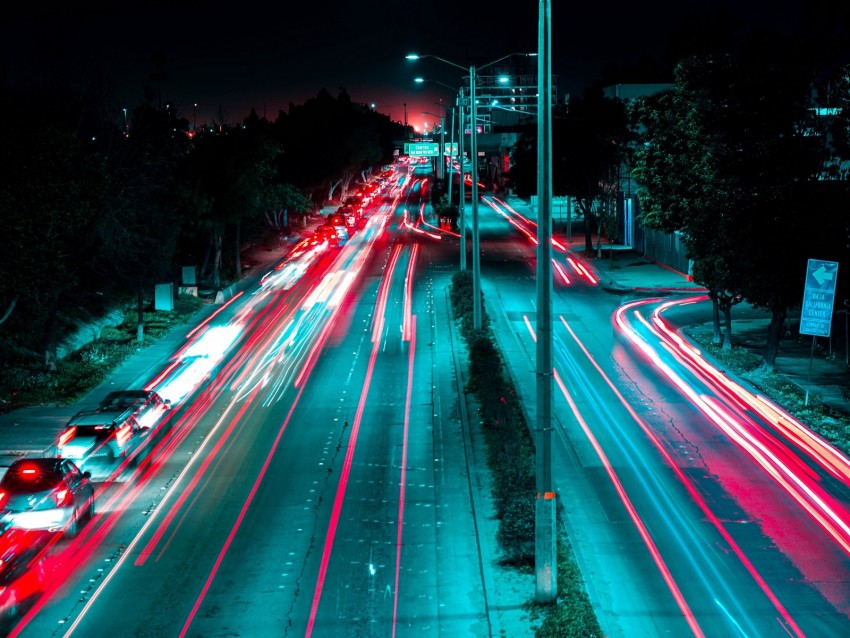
{"points": [[230, 57]]}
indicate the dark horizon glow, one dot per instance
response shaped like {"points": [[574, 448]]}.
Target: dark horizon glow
{"points": [[228, 60]]}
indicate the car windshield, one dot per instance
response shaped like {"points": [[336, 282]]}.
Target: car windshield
{"points": [[94, 430], [118, 400], [28, 479]]}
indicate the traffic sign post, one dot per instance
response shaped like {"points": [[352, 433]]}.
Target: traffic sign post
{"points": [[818, 300]]}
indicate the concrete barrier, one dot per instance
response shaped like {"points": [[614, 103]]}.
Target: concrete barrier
{"points": [[225, 294]]}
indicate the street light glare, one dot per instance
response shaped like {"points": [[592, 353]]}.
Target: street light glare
{"points": [[419, 80], [411, 56]]}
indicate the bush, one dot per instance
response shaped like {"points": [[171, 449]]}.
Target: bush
{"points": [[516, 530], [832, 425], [83, 370], [460, 295], [510, 455]]}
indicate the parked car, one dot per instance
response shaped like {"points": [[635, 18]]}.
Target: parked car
{"points": [[46, 494], [122, 423]]}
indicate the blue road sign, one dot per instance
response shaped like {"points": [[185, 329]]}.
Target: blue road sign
{"points": [[818, 298]]}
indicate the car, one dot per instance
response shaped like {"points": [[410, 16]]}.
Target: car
{"points": [[355, 202], [327, 233], [146, 406], [338, 222], [121, 424], [46, 494], [346, 216]]}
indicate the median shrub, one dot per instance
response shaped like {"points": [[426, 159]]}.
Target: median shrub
{"points": [[510, 455]]}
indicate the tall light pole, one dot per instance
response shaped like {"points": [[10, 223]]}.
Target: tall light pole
{"points": [[545, 546], [441, 158], [473, 152], [451, 155], [476, 240], [461, 206], [461, 202]]}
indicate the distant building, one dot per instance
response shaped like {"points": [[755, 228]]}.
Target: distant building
{"points": [[628, 92], [506, 99]]}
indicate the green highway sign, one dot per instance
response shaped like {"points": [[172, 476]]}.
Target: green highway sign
{"points": [[818, 298], [450, 148], [422, 149]]}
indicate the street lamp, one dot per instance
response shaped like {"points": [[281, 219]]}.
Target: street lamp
{"points": [[473, 152], [462, 196], [545, 545]]}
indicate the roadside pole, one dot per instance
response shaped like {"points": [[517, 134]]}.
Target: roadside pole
{"points": [[545, 546], [462, 201]]}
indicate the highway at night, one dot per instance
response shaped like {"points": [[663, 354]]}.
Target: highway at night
{"points": [[315, 479], [695, 507], [304, 489]]}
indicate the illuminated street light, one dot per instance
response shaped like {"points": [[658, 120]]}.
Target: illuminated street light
{"points": [[462, 196], [473, 152], [545, 546]]}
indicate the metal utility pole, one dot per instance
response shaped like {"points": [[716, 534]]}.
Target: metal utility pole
{"points": [[461, 186], [451, 156], [441, 166], [476, 241], [545, 552], [473, 117]]}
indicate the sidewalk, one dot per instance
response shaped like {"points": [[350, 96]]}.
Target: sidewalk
{"points": [[621, 269], [627, 271]]}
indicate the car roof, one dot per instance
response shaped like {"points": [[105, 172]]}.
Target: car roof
{"points": [[42, 463], [32, 475], [95, 417], [127, 394]]}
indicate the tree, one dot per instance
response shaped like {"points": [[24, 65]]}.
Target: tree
{"points": [[588, 139], [682, 185], [726, 162], [136, 234], [224, 182], [329, 141], [278, 200], [53, 182]]}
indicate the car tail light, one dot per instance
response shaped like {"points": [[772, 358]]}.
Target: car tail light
{"points": [[2, 499], [62, 496], [67, 436], [123, 435]]}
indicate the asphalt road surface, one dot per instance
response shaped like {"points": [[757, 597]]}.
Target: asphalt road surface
{"points": [[690, 513], [315, 480], [313, 486]]}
